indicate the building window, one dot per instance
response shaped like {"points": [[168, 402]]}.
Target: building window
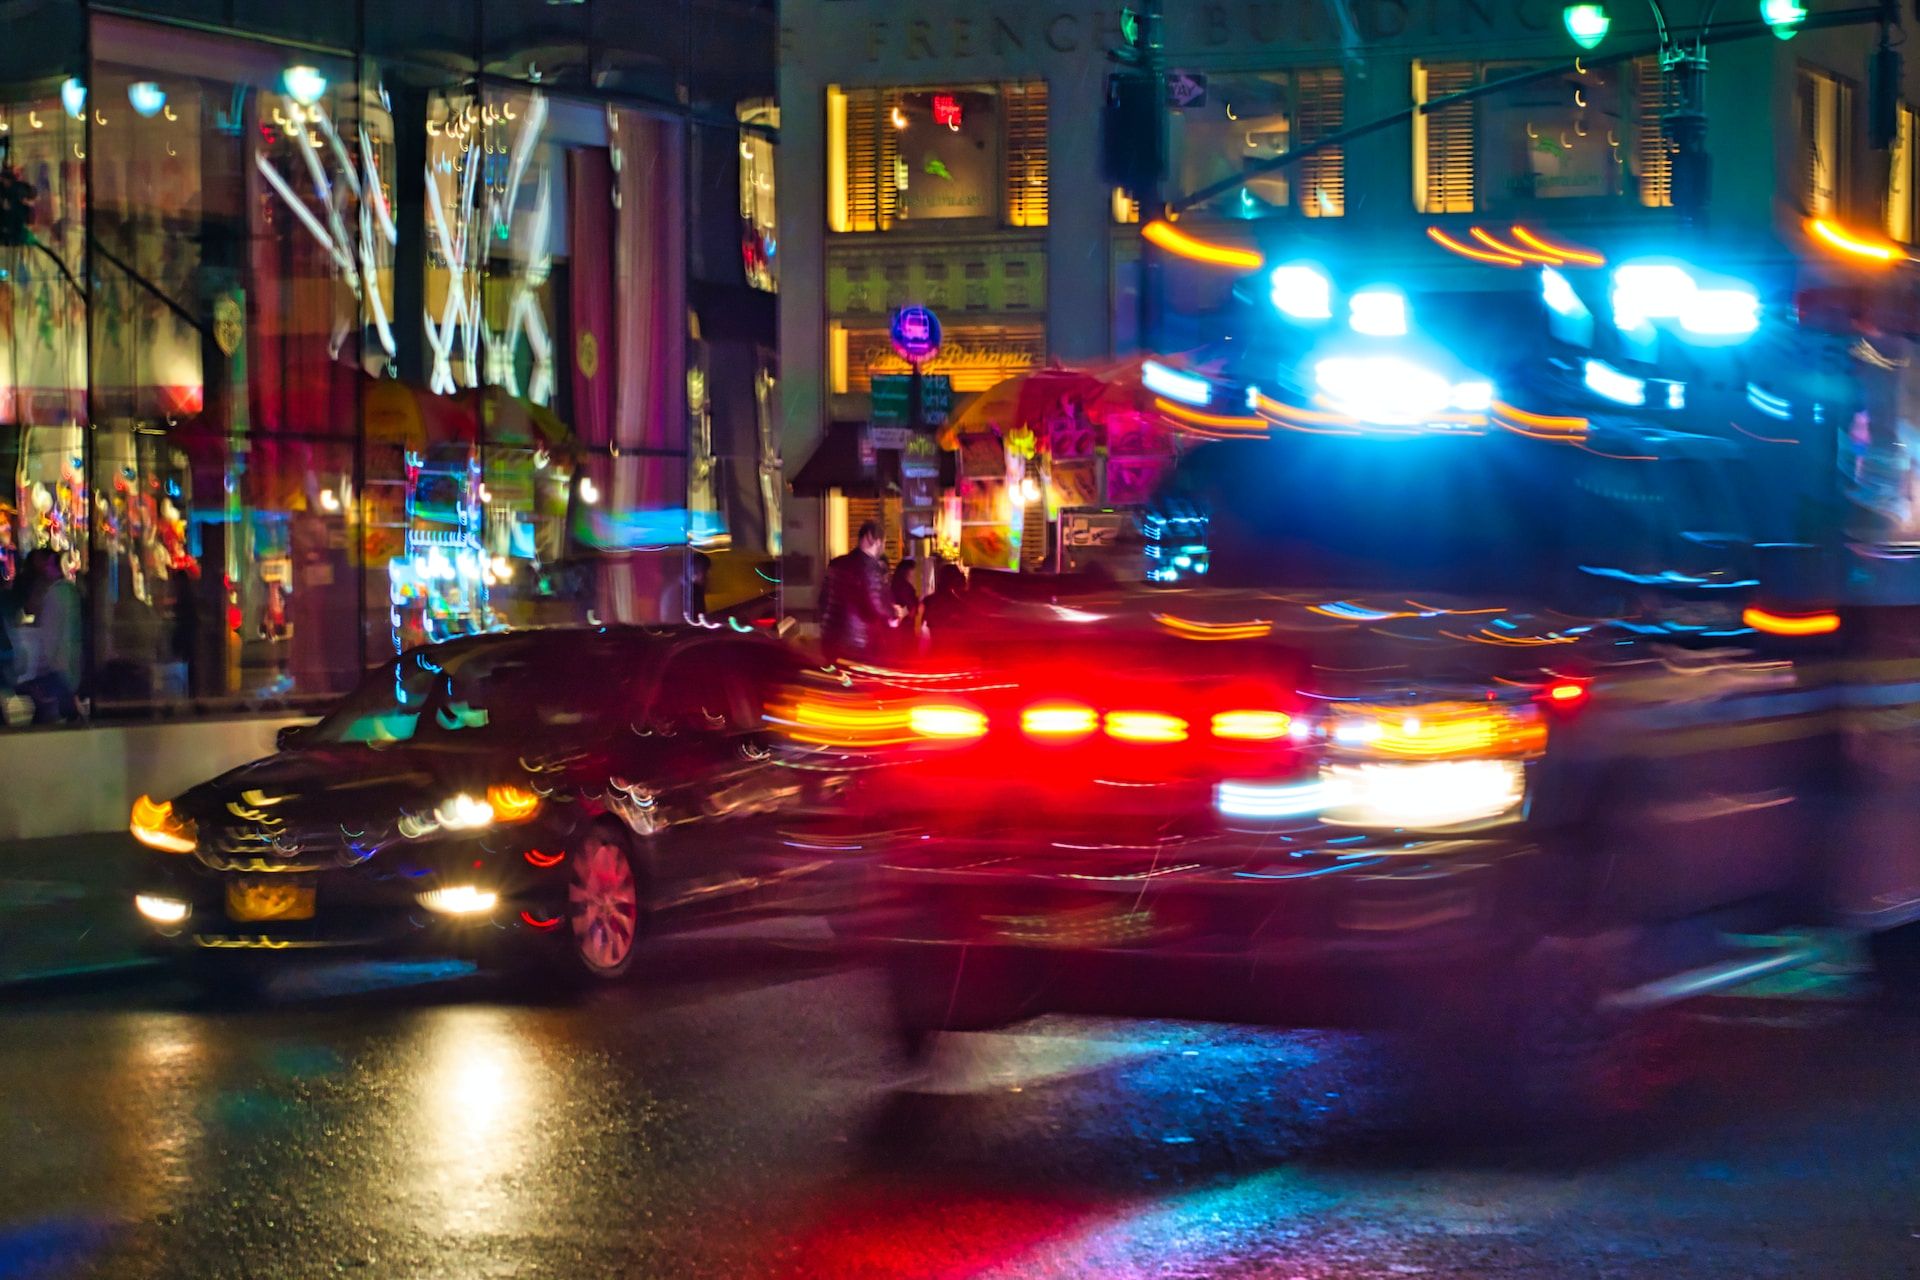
{"points": [[1824, 106], [1569, 136], [1027, 154], [1900, 180], [1443, 140], [1248, 119], [1655, 94], [905, 156]]}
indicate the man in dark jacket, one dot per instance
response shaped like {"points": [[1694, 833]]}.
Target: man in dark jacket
{"points": [[855, 611]]}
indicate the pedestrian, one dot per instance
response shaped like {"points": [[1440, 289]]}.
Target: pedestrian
{"points": [[946, 606], [45, 652], [906, 598], [855, 611]]}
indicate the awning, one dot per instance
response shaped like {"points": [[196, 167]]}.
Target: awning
{"points": [[836, 464]]}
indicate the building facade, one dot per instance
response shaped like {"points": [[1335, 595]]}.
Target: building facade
{"points": [[1030, 258], [339, 330]]}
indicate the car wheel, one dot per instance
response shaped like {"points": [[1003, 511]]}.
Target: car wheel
{"points": [[605, 905]]}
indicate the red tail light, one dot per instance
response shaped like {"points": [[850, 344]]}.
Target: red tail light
{"points": [[1252, 726], [1058, 721], [1145, 726], [1566, 695], [945, 721]]}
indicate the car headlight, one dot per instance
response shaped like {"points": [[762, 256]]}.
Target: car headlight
{"points": [[161, 910], [156, 825], [504, 803]]}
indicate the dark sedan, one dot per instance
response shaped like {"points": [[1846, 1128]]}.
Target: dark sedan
{"points": [[553, 794]]}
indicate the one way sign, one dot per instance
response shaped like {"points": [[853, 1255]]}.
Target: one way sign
{"points": [[1184, 89]]}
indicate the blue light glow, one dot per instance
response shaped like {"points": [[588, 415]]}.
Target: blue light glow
{"points": [[1269, 800], [1559, 295], [1609, 383], [1184, 387], [1302, 293], [1771, 405], [1378, 313]]}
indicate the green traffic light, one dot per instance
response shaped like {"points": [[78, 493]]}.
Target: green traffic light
{"points": [[1130, 27], [1784, 16], [1588, 23]]}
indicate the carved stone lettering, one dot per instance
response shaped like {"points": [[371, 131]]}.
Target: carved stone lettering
{"points": [[963, 37], [919, 40], [1063, 33], [1005, 36]]}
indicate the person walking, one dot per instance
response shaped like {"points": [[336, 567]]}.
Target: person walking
{"points": [[946, 606], [855, 613], [906, 598], [45, 652]]}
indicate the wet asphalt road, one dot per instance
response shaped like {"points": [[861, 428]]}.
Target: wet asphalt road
{"points": [[741, 1115]]}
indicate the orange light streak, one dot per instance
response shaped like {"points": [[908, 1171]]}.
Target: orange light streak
{"points": [[1585, 257], [1447, 242], [1783, 624], [1847, 243], [1500, 246], [1179, 243]]}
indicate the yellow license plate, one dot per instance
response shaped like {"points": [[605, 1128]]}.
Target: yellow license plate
{"points": [[269, 900]]}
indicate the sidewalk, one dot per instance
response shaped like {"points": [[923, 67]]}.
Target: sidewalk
{"points": [[66, 908]]}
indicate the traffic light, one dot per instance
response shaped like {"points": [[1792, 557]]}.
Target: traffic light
{"points": [[1133, 124], [1586, 23], [1784, 16]]}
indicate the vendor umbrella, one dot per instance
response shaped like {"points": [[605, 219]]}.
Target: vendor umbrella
{"points": [[1028, 399]]}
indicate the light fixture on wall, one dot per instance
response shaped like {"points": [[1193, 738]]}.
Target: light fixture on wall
{"points": [[73, 96]]}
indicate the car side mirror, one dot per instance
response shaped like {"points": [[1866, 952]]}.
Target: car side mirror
{"points": [[289, 736]]}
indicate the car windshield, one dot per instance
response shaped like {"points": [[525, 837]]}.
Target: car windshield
{"points": [[513, 687], [529, 690]]}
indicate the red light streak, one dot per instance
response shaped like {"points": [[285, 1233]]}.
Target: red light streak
{"points": [[545, 860], [537, 923]]}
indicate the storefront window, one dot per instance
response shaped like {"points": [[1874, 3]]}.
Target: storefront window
{"points": [[760, 246], [313, 357], [1563, 138], [1246, 119], [901, 156]]}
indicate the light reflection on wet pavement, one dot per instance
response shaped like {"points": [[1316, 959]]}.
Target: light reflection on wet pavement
{"points": [[742, 1115]]}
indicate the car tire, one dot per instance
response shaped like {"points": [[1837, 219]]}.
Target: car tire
{"points": [[606, 914]]}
